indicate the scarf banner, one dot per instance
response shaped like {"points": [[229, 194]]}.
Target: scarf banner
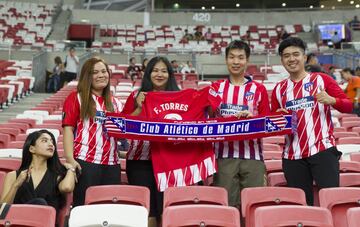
{"points": [[212, 130]]}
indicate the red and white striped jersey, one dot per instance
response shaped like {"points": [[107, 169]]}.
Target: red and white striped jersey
{"points": [[91, 143], [138, 149], [251, 96], [312, 120]]}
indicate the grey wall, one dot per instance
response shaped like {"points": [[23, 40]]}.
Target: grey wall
{"points": [[231, 18]]}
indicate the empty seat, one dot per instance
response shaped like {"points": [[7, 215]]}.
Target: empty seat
{"points": [[195, 195], [109, 215], [10, 153], [9, 164], [29, 216], [349, 166], [200, 215], [293, 215], [338, 201], [353, 215], [349, 179], [252, 198], [121, 194], [355, 157]]}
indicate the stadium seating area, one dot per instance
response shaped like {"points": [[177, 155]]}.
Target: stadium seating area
{"points": [[26, 24]]}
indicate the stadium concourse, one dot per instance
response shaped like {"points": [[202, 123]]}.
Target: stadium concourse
{"points": [[33, 33]]}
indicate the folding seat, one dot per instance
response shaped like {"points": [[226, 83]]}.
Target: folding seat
{"points": [[10, 153], [349, 140], [109, 215], [12, 132], [349, 124], [293, 215], [349, 167], [64, 212], [200, 215], [355, 157], [349, 179], [120, 194], [272, 147], [273, 166], [276, 179], [353, 215], [341, 129], [29, 216], [272, 155], [22, 127], [251, 198], [338, 135], [195, 195], [347, 149], [338, 201], [275, 140], [4, 140]]}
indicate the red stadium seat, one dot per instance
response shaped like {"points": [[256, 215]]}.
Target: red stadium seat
{"points": [[252, 198], [4, 140], [349, 167], [338, 201], [293, 215], [9, 164], [195, 195], [355, 157], [12, 132], [349, 179], [272, 147], [272, 155], [349, 140], [29, 216], [122, 194], [200, 215], [273, 166], [353, 215]]}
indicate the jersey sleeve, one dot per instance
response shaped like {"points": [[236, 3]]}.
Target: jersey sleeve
{"points": [[264, 107], [129, 106], [275, 105], [356, 82], [71, 110], [214, 98], [343, 103]]}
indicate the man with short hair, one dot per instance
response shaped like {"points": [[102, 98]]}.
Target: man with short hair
{"points": [[310, 153], [71, 64], [240, 163], [353, 88]]}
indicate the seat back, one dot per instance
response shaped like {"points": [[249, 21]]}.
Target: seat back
{"points": [[353, 215], [120, 194], [292, 215], [29, 216], [252, 198], [349, 179], [195, 195], [338, 201], [200, 215], [9, 164], [109, 215]]}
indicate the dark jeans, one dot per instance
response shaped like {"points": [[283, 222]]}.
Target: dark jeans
{"points": [[94, 174], [322, 167]]}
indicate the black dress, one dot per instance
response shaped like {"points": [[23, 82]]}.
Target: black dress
{"points": [[47, 189]]}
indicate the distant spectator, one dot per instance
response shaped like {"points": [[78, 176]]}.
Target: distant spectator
{"points": [[336, 40], [143, 66], [312, 64], [71, 64], [247, 37], [175, 66], [198, 36], [209, 36], [53, 84], [187, 36], [188, 68], [355, 23], [357, 71], [353, 88], [332, 72], [133, 71], [283, 34]]}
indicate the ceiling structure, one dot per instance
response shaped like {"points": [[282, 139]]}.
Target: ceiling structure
{"points": [[221, 5]]}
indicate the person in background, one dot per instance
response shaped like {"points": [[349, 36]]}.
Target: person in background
{"points": [[188, 68], [357, 71], [187, 36], [312, 64], [175, 66], [87, 145], [41, 179], [332, 72], [133, 71], [54, 81], [310, 152], [247, 37], [198, 35], [353, 88], [158, 76], [208, 36], [336, 40], [71, 64], [143, 66]]}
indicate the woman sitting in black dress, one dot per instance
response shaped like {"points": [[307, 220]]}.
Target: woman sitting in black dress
{"points": [[41, 178]]}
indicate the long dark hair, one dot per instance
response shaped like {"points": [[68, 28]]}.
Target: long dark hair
{"points": [[147, 85], [53, 163]]}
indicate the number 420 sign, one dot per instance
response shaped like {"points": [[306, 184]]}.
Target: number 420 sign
{"points": [[202, 17]]}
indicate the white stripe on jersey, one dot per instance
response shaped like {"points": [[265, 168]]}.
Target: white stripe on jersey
{"points": [[99, 143]]}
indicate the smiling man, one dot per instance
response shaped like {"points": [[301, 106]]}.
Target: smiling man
{"points": [[240, 163], [310, 153]]}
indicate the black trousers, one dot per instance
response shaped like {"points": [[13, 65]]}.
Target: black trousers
{"points": [[94, 174], [323, 168], [140, 172]]}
